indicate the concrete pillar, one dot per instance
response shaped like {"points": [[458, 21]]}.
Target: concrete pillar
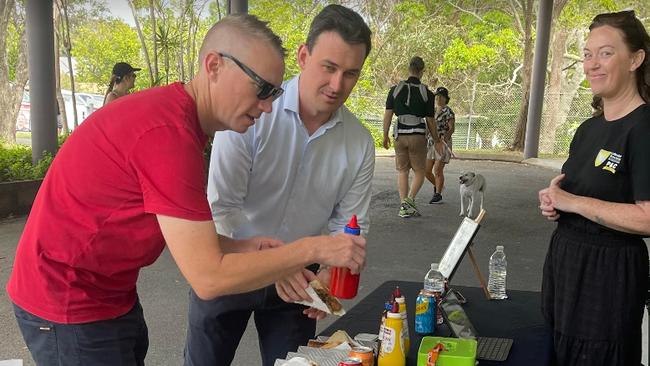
{"points": [[537, 85], [237, 6], [40, 48]]}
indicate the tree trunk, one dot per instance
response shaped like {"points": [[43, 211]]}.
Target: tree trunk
{"points": [[181, 42], [554, 94], [67, 43], [152, 14], [188, 57], [60, 102], [520, 130], [471, 114], [166, 59], [11, 91], [142, 41], [563, 86]]}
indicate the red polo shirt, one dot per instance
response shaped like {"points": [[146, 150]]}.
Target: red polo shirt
{"points": [[93, 224]]}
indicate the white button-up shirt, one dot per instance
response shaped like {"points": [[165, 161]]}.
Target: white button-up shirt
{"points": [[277, 180]]}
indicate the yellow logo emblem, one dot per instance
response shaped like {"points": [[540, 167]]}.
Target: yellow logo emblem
{"points": [[602, 157]]}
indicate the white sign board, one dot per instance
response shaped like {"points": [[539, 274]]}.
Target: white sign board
{"points": [[457, 247]]}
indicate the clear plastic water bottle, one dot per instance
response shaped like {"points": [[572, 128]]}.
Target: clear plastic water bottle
{"points": [[497, 280], [434, 285], [434, 282]]}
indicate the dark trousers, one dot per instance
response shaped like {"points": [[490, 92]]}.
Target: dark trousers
{"points": [[216, 327], [122, 341]]}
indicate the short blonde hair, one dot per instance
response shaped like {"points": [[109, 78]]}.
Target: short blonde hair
{"points": [[245, 25]]}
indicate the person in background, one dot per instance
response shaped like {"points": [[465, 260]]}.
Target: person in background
{"points": [[122, 80], [130, 180], [439, 144], [412, 102], [596, 271], [322, 178]]}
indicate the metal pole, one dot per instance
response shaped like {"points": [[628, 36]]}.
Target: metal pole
{"points": [[238, 6], [531, 146], [469, 129], [42, 84]]}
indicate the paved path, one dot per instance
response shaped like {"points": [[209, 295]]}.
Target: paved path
{"points": [[398, 249]]}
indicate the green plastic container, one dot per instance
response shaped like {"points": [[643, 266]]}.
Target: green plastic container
{"points": [[457, 352]]}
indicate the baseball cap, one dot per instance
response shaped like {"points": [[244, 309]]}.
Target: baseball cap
{"points": [[442, 91], [122, 69]]}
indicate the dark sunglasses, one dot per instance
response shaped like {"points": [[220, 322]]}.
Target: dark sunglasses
{"points": [[265, 89]]}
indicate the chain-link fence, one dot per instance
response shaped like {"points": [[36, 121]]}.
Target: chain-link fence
{"points": [[489, 120]]}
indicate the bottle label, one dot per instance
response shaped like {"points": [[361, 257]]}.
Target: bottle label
{"points": [[405, 337], [388, 340], [421, 308], [405, 325]]}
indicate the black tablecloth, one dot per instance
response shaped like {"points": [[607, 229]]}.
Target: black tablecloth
{"points": [[519, 317]]}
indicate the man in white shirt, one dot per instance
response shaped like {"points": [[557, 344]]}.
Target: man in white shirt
{"points": [[302, 169]]}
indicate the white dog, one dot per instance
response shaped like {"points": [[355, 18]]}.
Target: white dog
{"points": [[472, 189]]}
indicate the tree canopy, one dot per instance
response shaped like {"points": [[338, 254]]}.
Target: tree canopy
{"points": [[475, 49]]}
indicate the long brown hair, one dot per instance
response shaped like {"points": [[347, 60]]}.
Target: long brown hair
{"points": [[636, 38]]}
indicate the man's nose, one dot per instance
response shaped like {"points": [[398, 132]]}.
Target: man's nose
{"points": [[336, 81], [266, 105]]}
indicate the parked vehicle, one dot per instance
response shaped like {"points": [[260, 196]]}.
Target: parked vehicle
{"points": [[86, 104], [98, 100]]}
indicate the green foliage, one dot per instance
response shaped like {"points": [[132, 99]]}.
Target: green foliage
{"points": [[98, 45], [487, 50], [13, 39], [411, 9], [16, 164], [290, 20], [579, 13]]}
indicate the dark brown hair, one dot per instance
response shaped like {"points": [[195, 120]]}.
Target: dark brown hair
{"points": [[344, 21], [636, 38], [114, 80]]}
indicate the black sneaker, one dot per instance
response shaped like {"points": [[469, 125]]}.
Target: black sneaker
{"points": [[437, 198]]}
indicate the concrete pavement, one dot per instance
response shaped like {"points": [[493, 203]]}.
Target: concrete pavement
{"points": [[397, 249]]}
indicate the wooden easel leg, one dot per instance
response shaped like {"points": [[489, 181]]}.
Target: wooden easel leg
{"points": [[478, 273]]}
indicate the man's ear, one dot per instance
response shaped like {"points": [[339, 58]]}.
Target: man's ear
{"points": [[303, 54], [212, 64]]}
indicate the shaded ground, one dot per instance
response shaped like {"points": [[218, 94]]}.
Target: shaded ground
{"points": [[398, 249]]}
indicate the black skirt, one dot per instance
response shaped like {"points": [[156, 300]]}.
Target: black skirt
{"points": [[593, 295]]}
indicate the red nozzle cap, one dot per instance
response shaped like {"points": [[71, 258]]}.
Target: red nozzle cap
{"points": [[395, 308], [397, 293], [353, 223]]}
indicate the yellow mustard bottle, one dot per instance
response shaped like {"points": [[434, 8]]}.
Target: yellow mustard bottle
{"points": [[392, 344], [401, 300]]}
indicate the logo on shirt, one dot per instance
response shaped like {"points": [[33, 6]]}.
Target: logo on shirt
{"points": [[609, 160]]}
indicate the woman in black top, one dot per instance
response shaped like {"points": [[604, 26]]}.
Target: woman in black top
{"points": [[596, 271], [122, 80]]}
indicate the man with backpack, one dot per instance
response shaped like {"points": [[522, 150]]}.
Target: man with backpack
{"points": [[412, 103]]}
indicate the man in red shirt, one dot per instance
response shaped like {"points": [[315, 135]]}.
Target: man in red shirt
{"points": [[131, 179]]}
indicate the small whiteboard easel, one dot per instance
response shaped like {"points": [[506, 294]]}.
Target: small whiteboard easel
{"points": [[460, 244]]}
